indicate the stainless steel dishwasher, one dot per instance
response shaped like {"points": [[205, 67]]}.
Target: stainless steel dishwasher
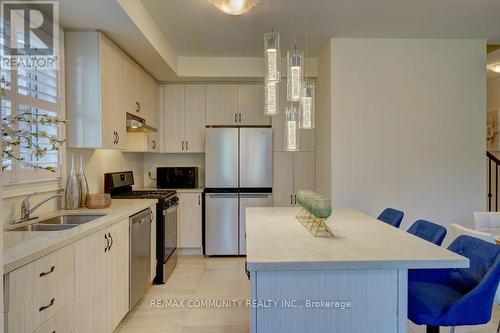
{"points": [[140, 255]]}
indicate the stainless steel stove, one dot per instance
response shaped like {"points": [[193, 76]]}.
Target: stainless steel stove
{"points": [[119, 185]]}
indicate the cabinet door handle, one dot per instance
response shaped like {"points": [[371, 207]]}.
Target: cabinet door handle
{"points": [[154, 144], [107, 243], [182, 145], [137, 107], [291, 199], [295, 198], [111, 239], [52, 301], [239, 116], [117, 137], [235, 117], [199, 199], [187, 145], [114, 134], [51, 270]]}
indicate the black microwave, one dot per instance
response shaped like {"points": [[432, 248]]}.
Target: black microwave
{"points": [[177, 177]]}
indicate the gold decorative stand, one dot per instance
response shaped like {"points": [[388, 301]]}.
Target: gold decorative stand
{"points": [[316, 226]]}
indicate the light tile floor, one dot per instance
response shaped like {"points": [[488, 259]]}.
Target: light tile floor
{"points": [[199, 278]]}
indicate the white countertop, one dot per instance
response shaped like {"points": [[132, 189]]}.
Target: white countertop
{"points": [[22, 247], [276, 240]]}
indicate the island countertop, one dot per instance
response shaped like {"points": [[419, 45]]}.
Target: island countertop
{"points": [[277, 241]]}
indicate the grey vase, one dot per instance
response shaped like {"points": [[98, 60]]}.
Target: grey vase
{"points": [[84, 185], [73, 193]]}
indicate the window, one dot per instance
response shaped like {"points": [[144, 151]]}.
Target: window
{"points": [[38, 92]]}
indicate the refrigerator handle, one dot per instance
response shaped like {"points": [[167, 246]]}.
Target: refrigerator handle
{"points": [[255, 195], [223, 195]]}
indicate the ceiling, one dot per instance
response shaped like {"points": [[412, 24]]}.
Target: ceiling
{"points": [[196, 28]]}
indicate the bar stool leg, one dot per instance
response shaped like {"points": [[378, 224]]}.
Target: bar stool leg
{"points": [[432, 329]]}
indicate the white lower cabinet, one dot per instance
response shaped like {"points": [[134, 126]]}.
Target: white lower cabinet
{"points": [[292, 171], [189, 235], [40, 291], [102, 278]]}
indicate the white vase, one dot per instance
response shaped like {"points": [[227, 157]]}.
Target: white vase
{"points": [[73, 193], [84, 185]]}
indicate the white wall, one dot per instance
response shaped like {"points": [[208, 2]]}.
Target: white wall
{"points": [[98, 162], [152, 161], [408, 127], [323, 121]]}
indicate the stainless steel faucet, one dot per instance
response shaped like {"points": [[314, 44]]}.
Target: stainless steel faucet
{"points": [[25, 207]]}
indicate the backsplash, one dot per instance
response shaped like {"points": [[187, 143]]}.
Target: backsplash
{"points": [[152, 161], [98, 162]]}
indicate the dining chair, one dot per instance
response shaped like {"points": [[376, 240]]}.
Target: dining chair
{"points": [[456, 297], [458, 230], [484, 221], [429, 231], [391, 216]]}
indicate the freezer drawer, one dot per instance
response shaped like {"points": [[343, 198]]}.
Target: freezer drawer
{"points": [[221, 224], [256, 157], [250, 200], [221, 157]]}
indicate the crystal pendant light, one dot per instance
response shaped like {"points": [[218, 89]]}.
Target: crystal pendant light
{"points": [[271, 98], [295, 78], [291, 129], [307, 107], [272, 56]]}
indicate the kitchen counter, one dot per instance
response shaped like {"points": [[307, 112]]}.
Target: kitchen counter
{"points": [[22, 247], [356, 281], [276, 240]]}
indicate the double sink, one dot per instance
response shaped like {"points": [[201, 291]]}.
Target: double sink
{"points": [[60, 222]]}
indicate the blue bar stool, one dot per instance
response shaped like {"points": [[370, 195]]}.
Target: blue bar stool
{"points": [[391, 216], [429, 231], [456, 297]]}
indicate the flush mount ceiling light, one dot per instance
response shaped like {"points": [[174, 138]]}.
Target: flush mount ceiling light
{"points": [[234, 7], [494, 68]]}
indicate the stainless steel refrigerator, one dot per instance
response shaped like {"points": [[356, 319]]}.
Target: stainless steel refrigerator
{"points": [[238, 174]]}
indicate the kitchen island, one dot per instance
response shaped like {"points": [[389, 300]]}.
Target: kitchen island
{"points": [[354, 282]]}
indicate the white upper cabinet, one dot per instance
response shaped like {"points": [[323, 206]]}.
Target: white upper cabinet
{"points": [[222, 104], [93, 66], [183, 118], [251, 105], [173, 118], [102, 85], [194, 117]]}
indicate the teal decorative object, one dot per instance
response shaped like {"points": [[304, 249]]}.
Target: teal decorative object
{"points": [[316, 209]]}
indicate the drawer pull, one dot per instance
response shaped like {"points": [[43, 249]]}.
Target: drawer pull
{"points": [[52, 301], [52, 269]]}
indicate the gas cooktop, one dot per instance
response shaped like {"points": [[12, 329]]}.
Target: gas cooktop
{"points": [[145, 194]]}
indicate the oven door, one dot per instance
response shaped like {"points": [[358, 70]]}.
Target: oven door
{"points": [[170, 231]]}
